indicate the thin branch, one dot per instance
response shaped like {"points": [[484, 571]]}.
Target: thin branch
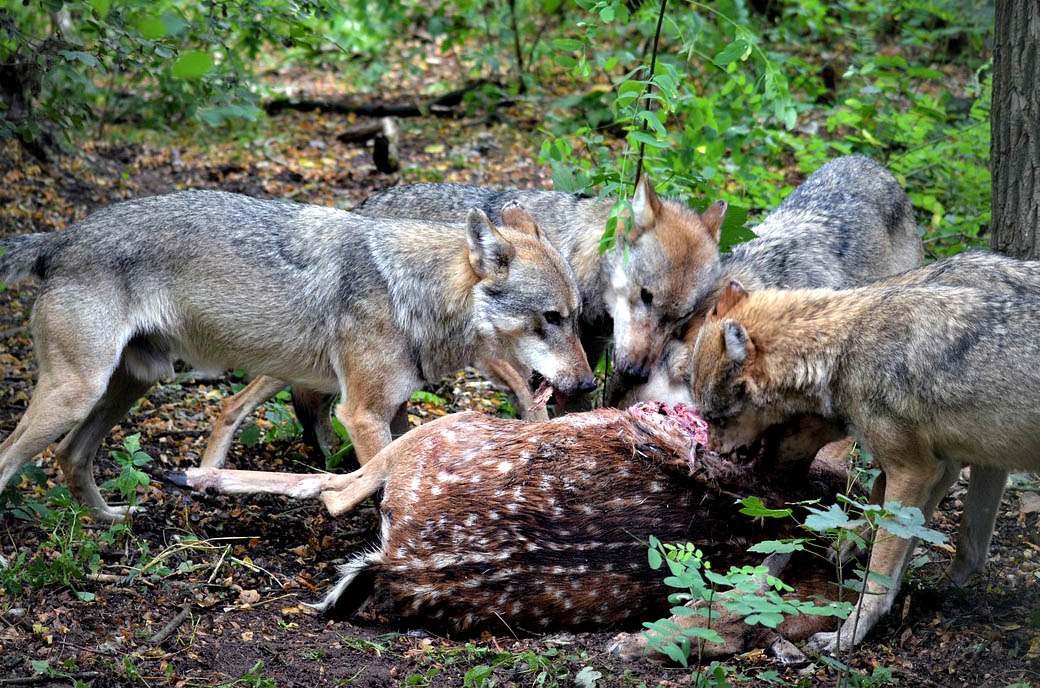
{"points": [[516, 44], [649, 85], [47, 678]]}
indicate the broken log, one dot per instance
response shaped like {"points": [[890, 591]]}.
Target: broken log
{"points": [[445, 105]]}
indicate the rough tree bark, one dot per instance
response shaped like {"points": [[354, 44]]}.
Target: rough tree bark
{"points": [[1015, 129]]}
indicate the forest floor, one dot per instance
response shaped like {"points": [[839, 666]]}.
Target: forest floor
{"points": [[244, 566]]}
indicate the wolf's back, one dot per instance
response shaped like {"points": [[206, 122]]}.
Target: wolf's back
{"points": [[849, 223], [560, 214], [439, 202]]}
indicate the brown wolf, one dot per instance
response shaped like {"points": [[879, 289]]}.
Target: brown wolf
{"points": [[929, 377], [326, 299]]}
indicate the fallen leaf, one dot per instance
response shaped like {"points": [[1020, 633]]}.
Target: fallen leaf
{"points": [[249, 597]]}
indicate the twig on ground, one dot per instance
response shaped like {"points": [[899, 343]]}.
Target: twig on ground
{"points": [[104, 578], [220, 561], [43, 678], [172, 626]]}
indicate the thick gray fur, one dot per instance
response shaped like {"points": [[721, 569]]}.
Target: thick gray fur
{"points": [[849, 223], [564, 217], [317, 297]]}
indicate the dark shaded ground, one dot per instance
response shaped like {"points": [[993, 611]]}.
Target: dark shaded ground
{"points": [[254, 560]]}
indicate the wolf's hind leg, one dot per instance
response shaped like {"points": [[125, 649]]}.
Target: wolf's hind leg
{"points": [[981, 505], [234, 411], [76, 452], [78, 345], [57, 406]]}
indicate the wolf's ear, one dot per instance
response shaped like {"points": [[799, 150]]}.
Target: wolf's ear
{"points": [[646, 206], [489, 252], [733, 294], [713, 217], [739, 346], [516, 217]]}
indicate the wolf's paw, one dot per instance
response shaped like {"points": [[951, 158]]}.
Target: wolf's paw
{"points": [[628, 646], [960, 572], [825, 642], [789, 655], [114, 514]]}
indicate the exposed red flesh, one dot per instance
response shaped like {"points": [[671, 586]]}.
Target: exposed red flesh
{"points": [[679, 419], [542, 395]]}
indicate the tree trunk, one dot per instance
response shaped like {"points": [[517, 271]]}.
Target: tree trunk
{"points": [[1015, 129]]}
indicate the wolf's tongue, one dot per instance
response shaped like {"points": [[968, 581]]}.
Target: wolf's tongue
{"points": [[542, 395]]}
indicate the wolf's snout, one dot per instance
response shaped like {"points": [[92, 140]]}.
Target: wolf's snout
{"points": [[635, 374], [587, 385]]}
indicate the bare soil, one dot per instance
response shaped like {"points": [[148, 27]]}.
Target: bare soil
{"points": [[255, 560]]}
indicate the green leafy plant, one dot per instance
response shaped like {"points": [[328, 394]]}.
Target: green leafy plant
{"points": [[70, 552], [72, 65], [130, 460], [748, 591], [848, 523], [279, 422], [254, 678], [65, 557]]}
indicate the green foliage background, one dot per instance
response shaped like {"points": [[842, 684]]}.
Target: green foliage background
{"points": [[747, 96]]}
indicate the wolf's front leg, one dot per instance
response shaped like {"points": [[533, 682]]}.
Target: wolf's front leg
{"points": [[373, 389], [918, 479], [233, 411]]}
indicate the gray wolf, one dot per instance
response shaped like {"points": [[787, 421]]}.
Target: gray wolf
{"points": [[319, 297], [661, 270], [849, 223], [666, 262], [491, 524], [929, 376]]}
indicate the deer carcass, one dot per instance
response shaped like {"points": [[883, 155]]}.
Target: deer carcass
{"points": [[502, 525]]}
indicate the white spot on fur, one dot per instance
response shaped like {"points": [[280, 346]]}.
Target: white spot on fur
{"points": [[505, 466]]}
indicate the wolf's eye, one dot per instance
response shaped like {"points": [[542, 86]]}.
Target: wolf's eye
{"points": [[552, 317], [646, 296]]}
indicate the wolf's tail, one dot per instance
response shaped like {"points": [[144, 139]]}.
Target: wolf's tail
{"points": [[25, 255]]}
